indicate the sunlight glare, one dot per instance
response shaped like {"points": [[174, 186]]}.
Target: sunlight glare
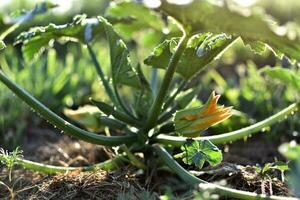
{"points": [[63, 6], [245, 3], [180, 2], [152, 3]]}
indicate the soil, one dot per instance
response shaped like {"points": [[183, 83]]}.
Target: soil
{"points": [[49, 146]]}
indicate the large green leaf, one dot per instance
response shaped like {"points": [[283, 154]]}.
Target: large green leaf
{"points": [[122, 71], [144, 18], [200, 51], [286, 76], [37, 39], [199, 152], [202, 16], [83, 29]]}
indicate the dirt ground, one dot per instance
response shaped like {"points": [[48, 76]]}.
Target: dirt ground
{"points": [[50, 147]]}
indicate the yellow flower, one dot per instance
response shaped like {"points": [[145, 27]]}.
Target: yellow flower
{"points": [[191, 122]]}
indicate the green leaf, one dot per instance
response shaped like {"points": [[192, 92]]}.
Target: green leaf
{"points": [[257, 46], [82, 29], [199, 152], [279, 165], [202, 16], [286, 76], [121, 70], [200, 51], [144, 18], [2, 45], [37, 39], [266, 168]]}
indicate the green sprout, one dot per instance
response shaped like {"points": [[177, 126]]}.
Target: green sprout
{"points": [[10, 159]]}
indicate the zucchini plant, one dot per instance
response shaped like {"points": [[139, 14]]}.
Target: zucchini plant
{"points": [[155, 117]]}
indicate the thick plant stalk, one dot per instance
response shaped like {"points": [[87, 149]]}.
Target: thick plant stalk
{"points": [[203, 185], [234, 135], [159, 100], [50, 169], [61, 123]]}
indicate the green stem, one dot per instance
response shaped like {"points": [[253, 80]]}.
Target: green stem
{"points": [[50, 169], [167, 115], [104, 81], [111, 123], [122, 104], [234, 135], [159, 100], [110, 110], [60, 122], [132, 158], [9, 30], [171, 99], [154, 82], [203, 185]]}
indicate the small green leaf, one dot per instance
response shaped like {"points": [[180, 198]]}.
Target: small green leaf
{"points": [[266, 168], [37, 39], [144, 18], [286, 76], [199, 152], [2, 45], [279, 165], [202, 16], [200, 51]]}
